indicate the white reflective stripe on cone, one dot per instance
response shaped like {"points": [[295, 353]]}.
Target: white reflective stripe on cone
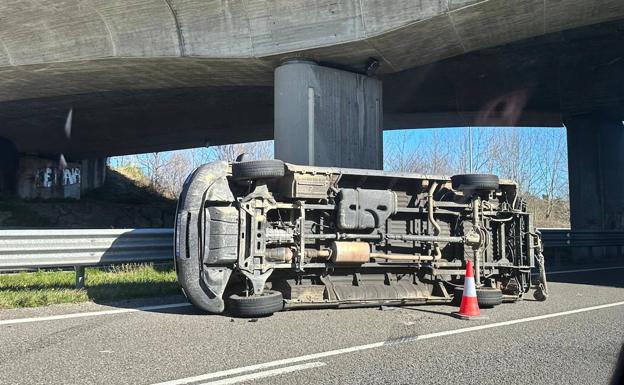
{"points": [[469, 287]]}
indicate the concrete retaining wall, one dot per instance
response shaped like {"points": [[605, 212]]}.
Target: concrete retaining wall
{"points": [[40, 178]]}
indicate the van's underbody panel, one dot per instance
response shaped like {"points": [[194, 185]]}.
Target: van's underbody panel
{"points": [[331, 237]]}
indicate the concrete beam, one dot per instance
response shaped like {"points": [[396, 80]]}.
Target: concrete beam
{"points": [[561, 73], [188, 43], [401, 121], [327, 117]]}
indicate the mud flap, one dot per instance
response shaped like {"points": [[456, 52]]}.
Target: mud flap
{"points": [[541, 291], [203, 287], [216, 279]]}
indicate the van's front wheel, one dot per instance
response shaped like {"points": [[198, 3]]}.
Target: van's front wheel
{"points": [[257, 305]]}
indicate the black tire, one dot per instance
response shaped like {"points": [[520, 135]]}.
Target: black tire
{"points": [[258, 169], [539, 295], [265, 304], [486, 296], [475, 182]]}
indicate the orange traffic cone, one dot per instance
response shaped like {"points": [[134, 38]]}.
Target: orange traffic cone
{"points": [[469, 308]]}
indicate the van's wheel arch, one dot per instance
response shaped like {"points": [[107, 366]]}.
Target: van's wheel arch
{"points": [[202, 285]]}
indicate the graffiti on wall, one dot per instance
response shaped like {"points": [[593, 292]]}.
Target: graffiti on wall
{"points": [[50, 177]]}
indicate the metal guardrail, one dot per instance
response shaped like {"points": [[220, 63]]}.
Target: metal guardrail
{"points": [[581, 238], [24, 249], [20, 249], [59, 248]]}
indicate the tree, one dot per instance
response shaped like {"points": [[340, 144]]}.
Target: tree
{"points": [[166, 171], [536, 158], [398, 154], [154, 166], [553, 168], [180, 165], [256, 150]]}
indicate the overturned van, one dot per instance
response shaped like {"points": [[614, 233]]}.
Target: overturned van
{"points": [[256, 237]]}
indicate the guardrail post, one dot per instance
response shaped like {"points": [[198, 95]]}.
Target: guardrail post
{"points": [[80, 277]]}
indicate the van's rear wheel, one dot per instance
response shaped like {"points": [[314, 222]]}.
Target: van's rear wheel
{"points": [[257, 305], [486, 296]]}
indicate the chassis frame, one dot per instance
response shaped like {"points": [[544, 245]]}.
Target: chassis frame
{"points": [[338, 237]]}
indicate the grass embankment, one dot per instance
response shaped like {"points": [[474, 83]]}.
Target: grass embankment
{"points": [[43, 288]]}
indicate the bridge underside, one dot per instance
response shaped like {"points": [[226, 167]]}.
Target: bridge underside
{"points": [[143, 105]]}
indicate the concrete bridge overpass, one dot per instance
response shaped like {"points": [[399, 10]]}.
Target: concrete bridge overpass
{"points": [[148, 75]]}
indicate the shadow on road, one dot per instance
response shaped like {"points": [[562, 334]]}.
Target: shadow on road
{"points": [[176, 304], [447, 314], [618, 373]]}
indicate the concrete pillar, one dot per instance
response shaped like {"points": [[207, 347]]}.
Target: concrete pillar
{"points": [[9, 161], [327, 117], [43, 178], [93, 173], [596, 169]]}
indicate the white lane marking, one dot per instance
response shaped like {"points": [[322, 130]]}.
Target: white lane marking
{"points": [[183, 304], [92, 314], [330, 353], [265, 374], [583, 270]]}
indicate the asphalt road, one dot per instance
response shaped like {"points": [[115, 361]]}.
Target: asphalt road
{"points": [[573, 338]]}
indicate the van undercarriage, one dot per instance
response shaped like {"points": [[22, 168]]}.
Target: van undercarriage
{"points": [[260, 236]]}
